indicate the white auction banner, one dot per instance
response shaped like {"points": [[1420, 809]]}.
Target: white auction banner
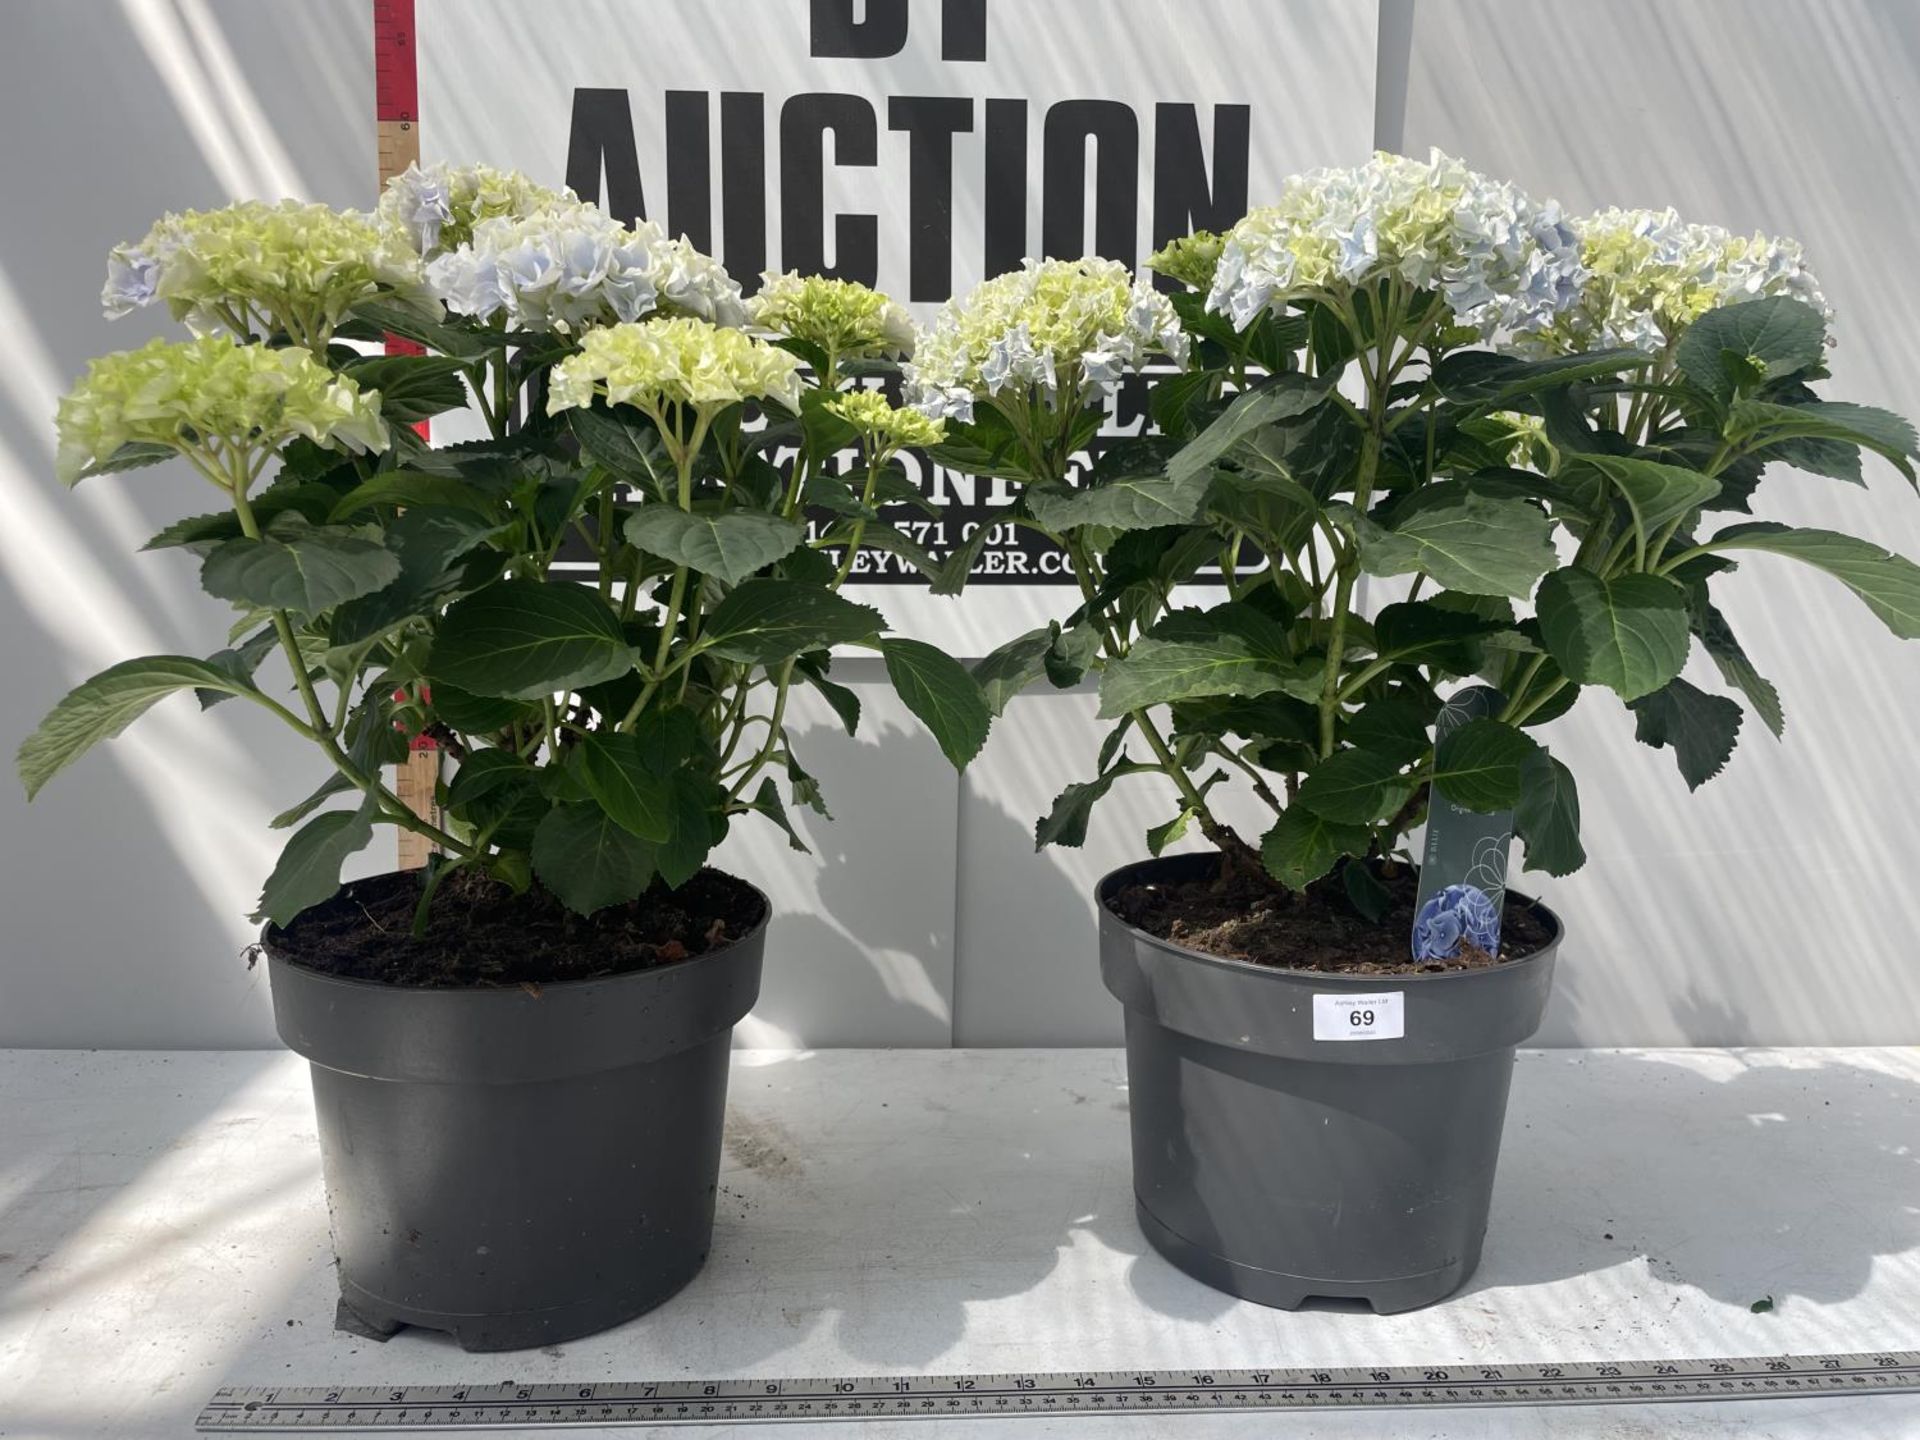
{"points": [[916, 145]]}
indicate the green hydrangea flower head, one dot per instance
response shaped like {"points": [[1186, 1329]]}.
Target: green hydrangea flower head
{"points": [[256, 267], [660, 362], [210, 398], [1065, 330], [843, 317], [886, 428], [1191, 259], [1651, 275]]}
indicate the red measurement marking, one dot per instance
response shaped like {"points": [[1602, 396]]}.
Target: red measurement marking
{"points": [[396, 71]]}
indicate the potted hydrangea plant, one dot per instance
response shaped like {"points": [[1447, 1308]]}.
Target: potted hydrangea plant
{"points": [[1540, 439], [519, 1054]]}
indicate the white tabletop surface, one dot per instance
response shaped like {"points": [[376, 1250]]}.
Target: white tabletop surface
{"points": [[162, 1233]]}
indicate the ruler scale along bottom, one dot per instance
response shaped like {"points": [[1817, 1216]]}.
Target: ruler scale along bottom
{"points": [[694, 1402]]}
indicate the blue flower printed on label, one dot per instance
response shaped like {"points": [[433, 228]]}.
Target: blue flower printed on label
{"points": [[1459, 912]]}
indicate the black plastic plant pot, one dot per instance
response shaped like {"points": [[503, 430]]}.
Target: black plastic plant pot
{"points": [[518, 1168], [1298, 1134]]}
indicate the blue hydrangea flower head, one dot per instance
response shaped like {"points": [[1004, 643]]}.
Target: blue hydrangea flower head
{"points": [[1459, 912]]}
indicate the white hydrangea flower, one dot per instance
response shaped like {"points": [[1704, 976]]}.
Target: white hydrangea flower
{"points": [[1507, 266], [1654, 274], [437, 207], [571, 267], [1062, 330]]}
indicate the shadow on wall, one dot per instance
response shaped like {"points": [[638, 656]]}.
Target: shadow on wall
{"points": [[860, 951], [127, 885]]}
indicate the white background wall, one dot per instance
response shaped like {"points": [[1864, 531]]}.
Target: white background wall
{"points": [[1774, 906]]}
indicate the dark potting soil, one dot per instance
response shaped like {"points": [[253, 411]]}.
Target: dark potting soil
{"points": [[1245, 916], [484, 934]]}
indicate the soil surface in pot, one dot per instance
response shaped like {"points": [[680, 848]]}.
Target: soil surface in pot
{"points": [[1250, 917], [484, 934]]}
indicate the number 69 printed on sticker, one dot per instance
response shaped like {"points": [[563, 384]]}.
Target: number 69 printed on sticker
{"points": [[1381, 1016]]}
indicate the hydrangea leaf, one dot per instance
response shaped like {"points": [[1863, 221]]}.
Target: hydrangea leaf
{"points": [[1478, 765], [526, 639], [766, 621], [1473, 543], [308, 870], [1629, 633], [102, 707], [1655, 493], [1547, 815], [729, 545], [938, 689], [1770, 337], [589, 859], [1302, 846], [1701, 728], [298, 567], [1888, 583], [1354, 787]]}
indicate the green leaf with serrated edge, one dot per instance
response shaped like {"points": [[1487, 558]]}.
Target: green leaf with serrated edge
{"points": [[1420, 632], [883, 537], [728, 545], [335, 784], [528, 639], [1701, 728], [1629, 633], [843, 701], [1777, 335], [1466, 542], [466, 341], [416, 488], [699, 824], [618, 773], [299, 568], [1477, 765], [308, 870], [1128, 490], [1012, 668], [101, 707], [1161, 836], [1888, 583], [1070, 654], [1066, 823], [938, 689], [1547, 815], [240, 661], [1487, 380], [1284, 397], [767, 801], [1155, 672], [588, 859], [1302, 846], [437, 561], [1365, 892], [1395, 725], [623, 442], [806, 789], [1354, 787], [1717, 639], [1762, 425], [472, 714], [766, 621], [412, 387], [134, 455], [484, 775], [1655, 493]]}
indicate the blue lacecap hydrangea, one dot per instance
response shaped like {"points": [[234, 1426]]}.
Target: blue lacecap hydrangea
{"points": [[1459, 912]]}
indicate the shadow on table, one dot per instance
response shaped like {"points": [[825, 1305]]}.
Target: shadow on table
{"points": [[1779, 1180]]}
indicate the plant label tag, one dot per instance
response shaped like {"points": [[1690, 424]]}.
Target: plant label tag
{"points": [[1463, 877], [1360, 1017]]}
